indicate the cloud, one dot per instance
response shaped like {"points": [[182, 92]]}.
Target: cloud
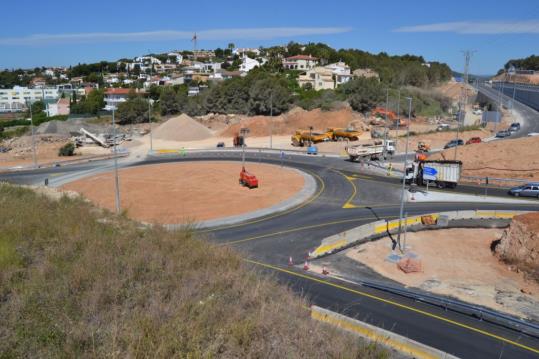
{"points": [[168, 35], [477, 27]]}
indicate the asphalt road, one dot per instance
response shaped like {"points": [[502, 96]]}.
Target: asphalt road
{"points": [[347, 196], [529, 115]]}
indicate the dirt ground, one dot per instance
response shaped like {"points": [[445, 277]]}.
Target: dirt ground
{"points": [[457, 262], [518, 158], [185, 192]]}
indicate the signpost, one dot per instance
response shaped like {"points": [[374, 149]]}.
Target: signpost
{"points": [[429, 174]]}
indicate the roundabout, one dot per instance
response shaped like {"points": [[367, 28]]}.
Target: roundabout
{"points": [[345, 196]]}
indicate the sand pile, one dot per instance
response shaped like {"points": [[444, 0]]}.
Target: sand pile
{"points": [[70, 127], [518, 158], [297, 119], [181, 128]]}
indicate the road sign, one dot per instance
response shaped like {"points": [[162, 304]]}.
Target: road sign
{"points": [[429, 173]]}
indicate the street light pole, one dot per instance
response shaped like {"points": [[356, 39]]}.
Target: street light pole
{"points": [[401, 212], [116, 179], [34, 156], [150, 103], [271, 119], [384, 154], [399, 119]]}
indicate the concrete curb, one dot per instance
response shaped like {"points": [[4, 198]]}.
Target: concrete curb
{"points": [[308, 190], [384, 337], [372, 230]]}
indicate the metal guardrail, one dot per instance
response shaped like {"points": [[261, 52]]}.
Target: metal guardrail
{"points": [[492, 181], [521, 325]]}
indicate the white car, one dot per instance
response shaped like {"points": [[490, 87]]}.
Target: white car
{"points": [[532, 134]]}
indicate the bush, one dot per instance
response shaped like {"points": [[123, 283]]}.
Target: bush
{"points": [[67, 150]]}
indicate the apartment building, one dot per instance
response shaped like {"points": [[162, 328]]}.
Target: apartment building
{"points": [[16, 98]]}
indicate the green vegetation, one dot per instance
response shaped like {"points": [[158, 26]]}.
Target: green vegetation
{"points": [[17, 132], [134, 110], [528, 63], [67, 150], [90, 104], [76, 281]]}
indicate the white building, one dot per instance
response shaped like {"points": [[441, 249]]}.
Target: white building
{"points": [[326, 78], [248, 64], [300, 62], [179, 57], [115, 96], [240, 51], [341, 72], [148, 59], [15, 99]]}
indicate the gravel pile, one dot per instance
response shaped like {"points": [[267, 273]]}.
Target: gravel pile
{"points": [[182, 128]]}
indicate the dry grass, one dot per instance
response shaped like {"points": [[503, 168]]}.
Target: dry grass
{"points": [[75, 285]]}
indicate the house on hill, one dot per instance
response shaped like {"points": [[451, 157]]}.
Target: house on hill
{"points": [[300, 62]]}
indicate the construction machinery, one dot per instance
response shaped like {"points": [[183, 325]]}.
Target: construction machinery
{"points": [[442, 174], [340, 134], [100, 140], [300, 138], [382, 112], [423, 146], [372, 151], [247, 179]]}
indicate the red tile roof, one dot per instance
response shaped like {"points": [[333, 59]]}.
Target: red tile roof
{"points": [[302, 57], [117, 91]]}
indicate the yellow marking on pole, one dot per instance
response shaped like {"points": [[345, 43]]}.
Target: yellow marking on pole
{"points": [[313, 198], [329, 247], [363, 330], [396, 304]]}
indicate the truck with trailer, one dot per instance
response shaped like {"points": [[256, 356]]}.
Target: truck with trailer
{"points": [[371, 151], [300, 138], [442, 174], [341, 134]]}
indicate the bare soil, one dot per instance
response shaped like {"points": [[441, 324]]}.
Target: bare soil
{"points": [[186, 192], [458, 263]]}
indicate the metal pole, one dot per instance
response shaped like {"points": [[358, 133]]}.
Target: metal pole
{"points": [[401, 212], [34, 156], [384, 154], [514, 92], [116, 179], [405, 230], [150, 104], [458, 130], [271, 119], [399, 120]]}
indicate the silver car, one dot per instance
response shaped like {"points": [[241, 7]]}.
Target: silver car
{"points": [[527, 190]]}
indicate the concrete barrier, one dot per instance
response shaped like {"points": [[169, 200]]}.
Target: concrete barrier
{"points": [[377, 229], [384, 337]]}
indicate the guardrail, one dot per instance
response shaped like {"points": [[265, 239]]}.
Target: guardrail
{"points": [[494, 181]]}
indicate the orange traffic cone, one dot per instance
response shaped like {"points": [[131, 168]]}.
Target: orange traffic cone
{"points": [[290, 262], [306, 266], [325, 271]]}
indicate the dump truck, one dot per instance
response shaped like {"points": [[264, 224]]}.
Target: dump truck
{"points": [[442, 174], [371, 151], [340, 134], [300, 138]]}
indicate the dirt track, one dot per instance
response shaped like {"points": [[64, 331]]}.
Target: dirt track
{"points": [[183, 192]]}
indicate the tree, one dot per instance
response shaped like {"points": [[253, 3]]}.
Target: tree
{"points": [[90, 104], [168, 101], [363, 94], [267, 93], [134, 110], [231, 46], [38, 107]]}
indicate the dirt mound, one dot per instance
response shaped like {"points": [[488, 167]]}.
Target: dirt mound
{"points": [[182, 128], [70, 128], [519, 244], [296, 119], [518, 158]]}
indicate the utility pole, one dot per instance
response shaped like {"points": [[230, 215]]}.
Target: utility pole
{"points": [[34, 156], [116, 179], [401, 212], [271, 119], [384, 154], [150, 103], [195, 39], [244, 131], [463, 95], [398, 119]]}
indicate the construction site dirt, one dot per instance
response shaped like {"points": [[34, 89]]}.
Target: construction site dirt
{"points": [[190, 192]]}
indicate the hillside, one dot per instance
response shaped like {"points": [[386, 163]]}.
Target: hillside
{"points": [[78, 282]]}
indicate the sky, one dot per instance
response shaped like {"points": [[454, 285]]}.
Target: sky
{"points": [[63, 33]]}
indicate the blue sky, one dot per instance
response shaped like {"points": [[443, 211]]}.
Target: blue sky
{"points": [[60, 32]]}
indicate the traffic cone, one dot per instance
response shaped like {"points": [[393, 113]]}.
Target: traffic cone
{"points": [[290, 262], [413, 198], [325, 271], [306, 266]]}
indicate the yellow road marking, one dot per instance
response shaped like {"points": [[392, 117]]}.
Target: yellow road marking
{"points": [[298, 229], [399, 305], [313, 198], [328, 247], [348, 204], [371, 334]]}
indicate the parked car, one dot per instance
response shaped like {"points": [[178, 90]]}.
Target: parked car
{"points": [[515, 126], [533, 134], [454, 143], [443, 127], [503, 134], [220, 144], [527, 190], [473, 140]]}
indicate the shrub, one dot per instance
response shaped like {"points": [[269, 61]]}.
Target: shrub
{"points": [[67, 150]]}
